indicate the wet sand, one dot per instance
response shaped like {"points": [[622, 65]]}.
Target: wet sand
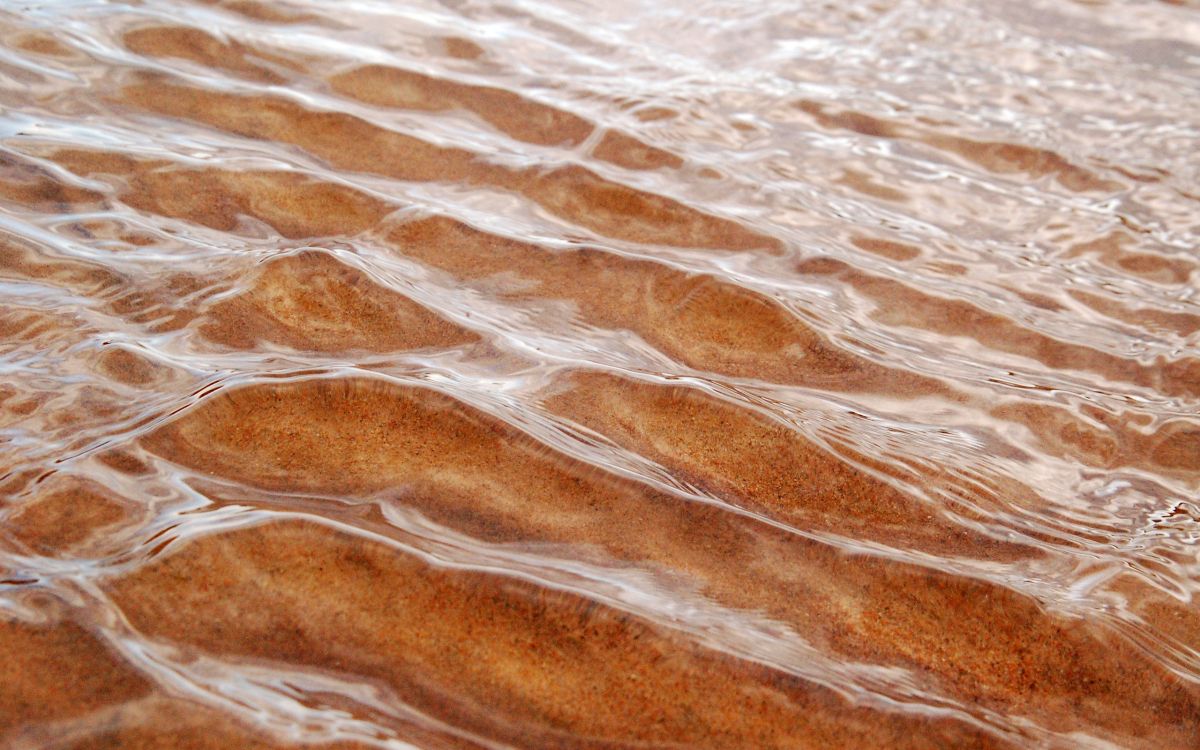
{"points": [[416, 377]]}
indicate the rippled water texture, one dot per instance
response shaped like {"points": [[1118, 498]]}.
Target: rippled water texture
{"points": [[630, 375]]}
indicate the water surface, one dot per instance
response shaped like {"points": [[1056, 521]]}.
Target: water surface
{"points": [[621, 375]]}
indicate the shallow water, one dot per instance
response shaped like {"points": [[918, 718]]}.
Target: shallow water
{"points": [[656, 375]]}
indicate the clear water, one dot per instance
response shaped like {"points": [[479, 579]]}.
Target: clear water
{"points": [[553, 374]]}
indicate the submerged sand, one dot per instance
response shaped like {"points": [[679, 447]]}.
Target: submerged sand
{"points": [[466, 392]]}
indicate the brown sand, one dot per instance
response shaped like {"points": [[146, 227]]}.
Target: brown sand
{"points": [[217, 399]]}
